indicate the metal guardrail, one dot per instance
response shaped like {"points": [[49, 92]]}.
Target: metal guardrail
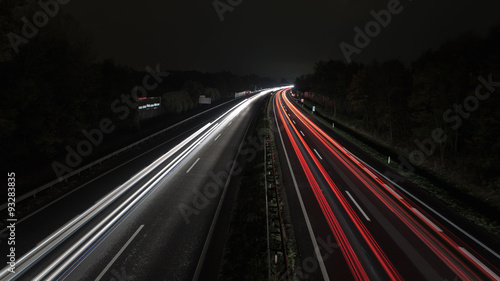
{"points": [[90, 165], [278, 205], [267, 212]]}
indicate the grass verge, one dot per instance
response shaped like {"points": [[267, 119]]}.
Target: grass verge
{"points": [[245, 253]]}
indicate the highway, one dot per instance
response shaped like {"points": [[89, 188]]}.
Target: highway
{"points": [[356, 224], [163, 214], [150, 218]]}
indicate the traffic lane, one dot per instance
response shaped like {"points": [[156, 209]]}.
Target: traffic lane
{"points": [[351, 242], [172, 248], [40, 225], [330, 254], [209, 267], [406, 251], [402, 240], [88, 227], [366, 248], [159, 247], [485, 244], [166, 248], [403, 248], [459, 251]]}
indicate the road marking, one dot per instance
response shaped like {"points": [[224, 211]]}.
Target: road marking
{"points": [[217, 137], [119, 253], [357, 205], [321, 158], [203, 254], [172, 126], [294, 122], [393, 192], [426, 219], [302, 134], [319, 256], [94, 210], [437, 213], [490, 272], [94, 179], [230, 122], [192, 165], [496, 277]]}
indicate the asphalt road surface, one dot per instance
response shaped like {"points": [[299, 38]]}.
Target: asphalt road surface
{"points": [[150, 218], [352, 223]]}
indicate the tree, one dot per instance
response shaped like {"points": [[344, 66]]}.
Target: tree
{"points": [[48, 82], [377, 94]]}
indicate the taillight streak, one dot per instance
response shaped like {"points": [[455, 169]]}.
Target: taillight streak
{"points": [[436, 246], [379, 254], [346, 249]]}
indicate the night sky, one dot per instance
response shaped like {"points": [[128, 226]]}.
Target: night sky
{"points": [[269, 38]]}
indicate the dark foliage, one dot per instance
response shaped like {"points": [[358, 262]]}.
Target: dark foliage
{"points": [[402, 105]]}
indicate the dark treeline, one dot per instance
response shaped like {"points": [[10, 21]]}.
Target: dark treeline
{"points": [[440, 112], [181, 89], [53, 88]]}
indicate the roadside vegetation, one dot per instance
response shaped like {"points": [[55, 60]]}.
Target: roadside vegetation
{"points": [[53, 88], [245, 253], [440, 115]]}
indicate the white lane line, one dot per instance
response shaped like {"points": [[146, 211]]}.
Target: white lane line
{"points": [[319, 256], [166, 129], [437, 213], [302, 134], [393, 192], [210, 234], [490, 272], [96, 178], [230, 122], [321, 158], [64, 260], [119, 253], [192, 165], [426, 219], [294, 122], [357, 205], [217, 137]]}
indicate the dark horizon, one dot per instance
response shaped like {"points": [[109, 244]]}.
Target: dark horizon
{"points": [[269, 39]]}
